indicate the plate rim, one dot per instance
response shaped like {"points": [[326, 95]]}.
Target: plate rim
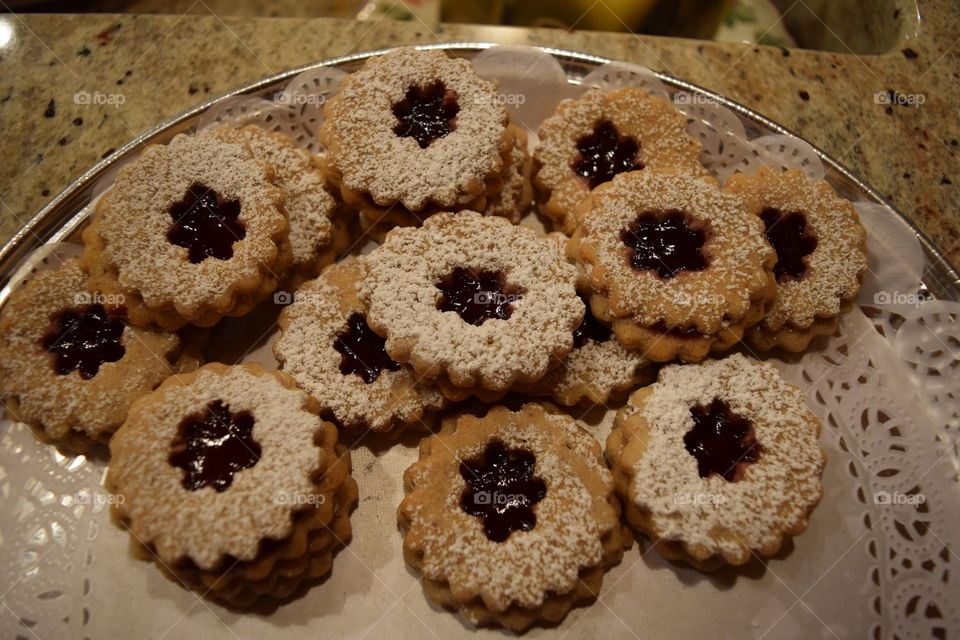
{"points": [[44, 223]]}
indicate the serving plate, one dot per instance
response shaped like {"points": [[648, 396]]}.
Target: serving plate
{"points": [[878, 559]]}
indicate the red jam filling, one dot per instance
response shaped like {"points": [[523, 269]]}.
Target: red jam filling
{"points": [[722, 441], [362, 351], [605, 153], [205, 224], [426, 113], [213, 445], [667, 242], [502, 490], [84, 339]]}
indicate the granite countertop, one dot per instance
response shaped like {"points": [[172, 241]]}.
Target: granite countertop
{"points": [[149, 67]]}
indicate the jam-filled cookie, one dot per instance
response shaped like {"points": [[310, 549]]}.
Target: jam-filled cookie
{"points": [[71, 364], [228, 478], [472, 302], [601, 134], [676, 266], [316, 233], [599, 367], [415, 129], [717, 461], [511, 200], [821, 255], [511, 518], [190, 232], [326, 344]]}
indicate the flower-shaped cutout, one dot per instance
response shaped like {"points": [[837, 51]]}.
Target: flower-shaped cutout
{"points": [[605, 153], [477, 296], [502, 490], [667, 242], [213, 445], [722, 441], [205, 224], [426, 113], [85, 339], [791, 238], [362, 351]]}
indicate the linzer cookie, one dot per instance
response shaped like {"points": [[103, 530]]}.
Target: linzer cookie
{"points": [[71, 365], [717, 461], [326, 344], [416, 129], [676, 266], [511, 518], [472, 302], [604, 133], [316, 235], [190, 232], [821, 255], [230, 481], [598, 369], [511, 200]]}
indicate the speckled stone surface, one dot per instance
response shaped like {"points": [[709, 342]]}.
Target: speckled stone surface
{"points": [[161, 65]]}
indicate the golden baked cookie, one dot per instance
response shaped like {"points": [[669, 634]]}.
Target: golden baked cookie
{"points": [[327, 346], [601, 134], [472, 300], [510, 197], [677, 266], [717, 461], [317, 236], [228, 478], [71, 365], [511, 519], [415, 128], [821, 255], [190, 232]]}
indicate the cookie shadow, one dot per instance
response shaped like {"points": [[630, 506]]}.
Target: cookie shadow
{"points": [[723, 578]]}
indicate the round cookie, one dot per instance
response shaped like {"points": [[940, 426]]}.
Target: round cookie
{"points": [[71, 364], [821, 255], [327, 346], [601, 134], [415, 128], [316, 234], [229, 480], [473, 300], [511, 518], [678, 267], [190, 232], [717, 461]]}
